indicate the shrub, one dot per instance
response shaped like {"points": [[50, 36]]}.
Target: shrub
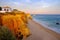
{"points": [[0, 8], [6, 34]]}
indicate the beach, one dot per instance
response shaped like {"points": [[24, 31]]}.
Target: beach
{"points": [[38, 32]]}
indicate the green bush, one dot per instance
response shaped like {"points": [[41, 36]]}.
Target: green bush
{"points": [[6, 34], [0, 8]]}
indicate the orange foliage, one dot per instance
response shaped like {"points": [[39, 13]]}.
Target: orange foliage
{"points": [[29, 16], [15, 24]]}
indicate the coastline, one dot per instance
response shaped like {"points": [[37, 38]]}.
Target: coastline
{"points": [[48, 30], [47, 27], [43, 31]]}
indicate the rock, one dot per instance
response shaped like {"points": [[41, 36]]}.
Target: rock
{"points": [[57, 23]]}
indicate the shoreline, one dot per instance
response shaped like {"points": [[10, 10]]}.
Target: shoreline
{"points": [[57, 35], [47, 27], [39, 32]]}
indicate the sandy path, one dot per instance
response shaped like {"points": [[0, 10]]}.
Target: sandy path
{"points": [[38, 33]]}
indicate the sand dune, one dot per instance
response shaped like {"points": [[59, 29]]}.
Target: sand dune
{"points": [[40, 33]]}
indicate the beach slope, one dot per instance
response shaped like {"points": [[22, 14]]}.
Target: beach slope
{"points": [[40, 33]]}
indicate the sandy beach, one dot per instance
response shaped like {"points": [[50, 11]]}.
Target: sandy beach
{"points": [[40, 33]]}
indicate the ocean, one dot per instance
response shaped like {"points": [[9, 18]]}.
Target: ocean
{"points": [[51, 22]]}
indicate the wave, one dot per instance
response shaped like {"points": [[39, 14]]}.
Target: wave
{"points": [[44, 24]]}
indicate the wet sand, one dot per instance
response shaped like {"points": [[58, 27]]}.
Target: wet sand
{"points": [[40, 33]]}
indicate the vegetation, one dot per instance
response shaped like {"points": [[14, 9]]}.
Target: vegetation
{"points": [[0, 8], [15, 21], [6, 34], [29, 16]]}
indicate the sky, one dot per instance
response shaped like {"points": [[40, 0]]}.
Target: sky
{"points": [[34, 6]]}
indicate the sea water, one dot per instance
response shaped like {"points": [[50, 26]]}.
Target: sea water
{"points": [[48, 21]]}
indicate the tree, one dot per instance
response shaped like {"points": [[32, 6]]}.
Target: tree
{"points": [[0, 8], [15, 10]]}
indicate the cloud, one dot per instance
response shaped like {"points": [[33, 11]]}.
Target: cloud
{"points": [[34, 6], [28, 1], [16, 3], [25, 1]]}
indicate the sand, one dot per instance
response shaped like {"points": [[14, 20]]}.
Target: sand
{"points": [[40, 33]]}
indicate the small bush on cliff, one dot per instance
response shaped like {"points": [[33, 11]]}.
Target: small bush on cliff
{"points": [[0, 8], [6, 34]]}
